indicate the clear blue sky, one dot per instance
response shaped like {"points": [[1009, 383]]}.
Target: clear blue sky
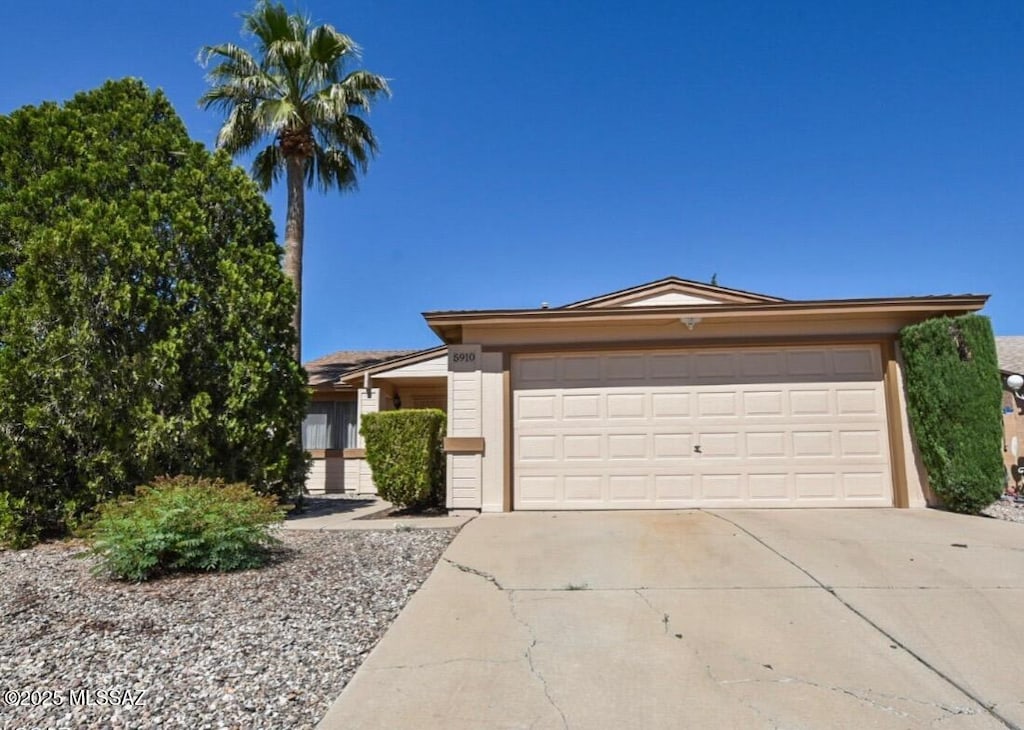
{"points": [[550, 151]]}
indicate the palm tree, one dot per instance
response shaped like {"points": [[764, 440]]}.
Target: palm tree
{"points": [[296, 97]]}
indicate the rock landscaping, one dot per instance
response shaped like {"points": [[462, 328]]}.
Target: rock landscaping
{"points": [[1008, 508], [269, 648]]}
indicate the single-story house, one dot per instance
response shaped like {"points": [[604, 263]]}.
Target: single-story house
{"points": [[1010, 353], [671, 394]]}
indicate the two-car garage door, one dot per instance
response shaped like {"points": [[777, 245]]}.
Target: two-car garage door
{"points": [[740, 427]]}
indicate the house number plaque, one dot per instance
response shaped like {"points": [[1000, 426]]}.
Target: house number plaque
{"points": [[464, 358]]}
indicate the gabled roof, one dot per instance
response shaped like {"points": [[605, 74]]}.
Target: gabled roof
{"points": [[328, 369], [353, 377], [671, 291], [1010, 354], [449, 325]]}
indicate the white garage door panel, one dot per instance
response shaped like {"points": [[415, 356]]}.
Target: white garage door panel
{"points": [[801, 426]]}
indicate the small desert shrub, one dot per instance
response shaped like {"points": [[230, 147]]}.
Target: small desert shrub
{"points": [[184, 524], [405, 452]]}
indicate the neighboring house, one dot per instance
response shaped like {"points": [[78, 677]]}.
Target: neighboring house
{"points": [[1010, 352], [671, 394]]}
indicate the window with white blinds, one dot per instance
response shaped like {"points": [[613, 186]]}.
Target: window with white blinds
{"points": [[329, 425]]}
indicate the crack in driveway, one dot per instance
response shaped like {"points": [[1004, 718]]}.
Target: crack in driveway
{"points": [[989, 707], [529, 657], [474, 571], [664, 616], [528, 654], [860, 695]]}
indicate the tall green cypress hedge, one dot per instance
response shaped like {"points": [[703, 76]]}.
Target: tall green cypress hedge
{"points": [[145, 322], [953, 398], [406, 456]]}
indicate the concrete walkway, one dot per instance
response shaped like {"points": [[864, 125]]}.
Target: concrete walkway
{"points": [[344, 512], [752, 619]]}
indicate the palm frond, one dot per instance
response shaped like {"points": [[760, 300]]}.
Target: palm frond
{"points": [[228, 96], [367, 83], [276, 114], [285, 54], [331, 168], [267, 166], [240, 131], [268, 22], [235, 56], [352, 133], [324, 109], [237, 79], [361, 88], [328, 46], [299, 26], [339, 100]]}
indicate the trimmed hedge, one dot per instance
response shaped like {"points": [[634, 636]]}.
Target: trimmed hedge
{"points": [[184, 524], [406, 455], [954, 398]]}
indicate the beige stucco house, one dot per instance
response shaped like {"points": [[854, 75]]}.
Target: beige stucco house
{"points": [[671, 394]]}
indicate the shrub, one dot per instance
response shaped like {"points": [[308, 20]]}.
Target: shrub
{"points": [[184, 524], [405, 452], [954, 398], [145, 322]]}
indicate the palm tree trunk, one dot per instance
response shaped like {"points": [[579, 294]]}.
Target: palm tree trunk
{"points": [[293, 236]]}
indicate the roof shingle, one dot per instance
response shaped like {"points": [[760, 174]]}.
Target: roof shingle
{"points": [[1010, 353], [329, 368]]}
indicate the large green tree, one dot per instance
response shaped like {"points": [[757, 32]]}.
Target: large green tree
{"points": [[145, 322], [298, 105]]}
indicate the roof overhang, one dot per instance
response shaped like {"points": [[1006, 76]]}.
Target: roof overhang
{"points": [[354, 378], [449, 325]]}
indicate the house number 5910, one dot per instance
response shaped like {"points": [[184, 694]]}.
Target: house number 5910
{"points": [[464, 357]]}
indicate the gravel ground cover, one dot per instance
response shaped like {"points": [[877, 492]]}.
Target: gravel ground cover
{"points": [[1006, 509], [269, 648]]}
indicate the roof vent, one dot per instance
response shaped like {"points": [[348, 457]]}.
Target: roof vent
{"points": [[543, 305]]}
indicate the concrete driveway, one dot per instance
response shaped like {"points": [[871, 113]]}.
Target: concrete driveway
{"points": [[752, 619]]}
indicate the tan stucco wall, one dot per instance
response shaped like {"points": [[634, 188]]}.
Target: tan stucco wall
{"points": [[675, 331], [919, 493], [368, 401], [358, 477], [465, 418], [492, 394], [326, 476], [435, 367], [424, 396]]}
